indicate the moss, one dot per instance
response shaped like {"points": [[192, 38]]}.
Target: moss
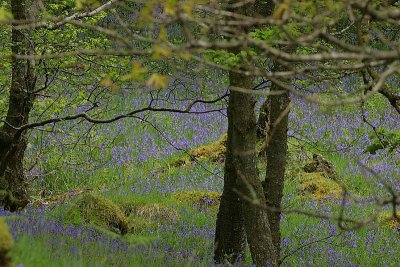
{"points": [[317, 185], [3, 183], [6, 244], [183, 161], [143, 214], [310, 166], [214, 152], [99, 211], [320, 164], [203, 200], [388, 220], [153, 211]]}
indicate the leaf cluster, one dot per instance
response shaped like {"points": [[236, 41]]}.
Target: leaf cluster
{"points": [[384, 139]]}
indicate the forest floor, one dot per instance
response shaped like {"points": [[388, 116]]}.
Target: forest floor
{"points": [[149, 204]]}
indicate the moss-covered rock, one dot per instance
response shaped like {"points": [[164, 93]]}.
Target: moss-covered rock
{"points": [[139, 224], [214, 152], [202, 200], [153, 211], [182, 161], [319, 186], [320, 164], [99, 211], [6, 244], [143, 214], [388, 220]]}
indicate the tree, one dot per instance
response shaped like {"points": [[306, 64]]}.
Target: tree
{"points": [[276, 153], [53, 31], [12, 146], [230, 235]]}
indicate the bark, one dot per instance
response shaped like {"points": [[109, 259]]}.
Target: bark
{"points": [[13, 184], [262, 122], [230, 239], [276, 160]]}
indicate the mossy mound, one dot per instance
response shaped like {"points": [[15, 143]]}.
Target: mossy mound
{"points": [[183, 161], [152, 211], [98, 211], [387, 219], [320, 164], [143, 215], [6, 244], [139, 224], [214, 152], [202, 200], [319, 186]]}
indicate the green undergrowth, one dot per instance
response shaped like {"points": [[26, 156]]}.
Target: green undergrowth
{"points": [[35, 252], [132, 214], [118, 215], [146, 213], [176, 220], [6, 240], [355, 183]]}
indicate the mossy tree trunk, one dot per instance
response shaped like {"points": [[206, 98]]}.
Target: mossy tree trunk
{"points": [[276, 150], [13, 184]]}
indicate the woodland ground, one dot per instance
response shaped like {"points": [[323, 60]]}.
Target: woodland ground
{"points": [[132, 164]]}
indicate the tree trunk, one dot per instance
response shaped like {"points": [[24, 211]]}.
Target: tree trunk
{"points": [[230, 238], [13, 184], [241, 176], [241, 179], [276, 160], [242, 117], [262, 122]]}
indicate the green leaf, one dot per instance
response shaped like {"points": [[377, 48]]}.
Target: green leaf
{"points": [[81, 4], [158, 81], [5, 16]]}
